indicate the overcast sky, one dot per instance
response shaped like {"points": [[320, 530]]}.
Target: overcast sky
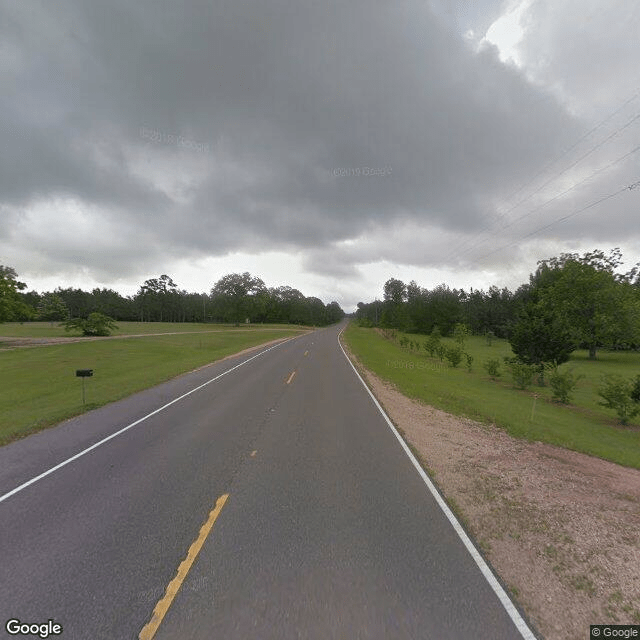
{"points": [[325, 145]]}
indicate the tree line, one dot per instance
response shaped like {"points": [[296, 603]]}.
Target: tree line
{"points": [[571, 301], [235, 298]]}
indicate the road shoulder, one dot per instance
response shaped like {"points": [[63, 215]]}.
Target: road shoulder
{"points": [[559, 527]]}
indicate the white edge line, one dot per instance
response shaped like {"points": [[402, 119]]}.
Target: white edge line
{"points": [[133, 424], [513, 613]]}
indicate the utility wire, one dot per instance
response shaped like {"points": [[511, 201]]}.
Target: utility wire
{"points": [[562, 155], [573, 164], [635, 185], [563, 193]]}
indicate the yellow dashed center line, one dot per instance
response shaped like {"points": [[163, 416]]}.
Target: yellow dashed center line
{"points": [[293, 373], [160, 610]]}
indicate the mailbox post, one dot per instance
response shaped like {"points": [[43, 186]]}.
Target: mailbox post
{"points": [[83, 373]]}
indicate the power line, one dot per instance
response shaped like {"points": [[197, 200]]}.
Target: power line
{"points": [[562, 155], [635, 185], [573, 164], [563, 193], [575, 144]]}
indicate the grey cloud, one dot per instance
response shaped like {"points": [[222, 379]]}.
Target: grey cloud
{"points": [[585, 49], [294, 100]]}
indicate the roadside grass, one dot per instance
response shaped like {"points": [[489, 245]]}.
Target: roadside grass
{"points": [[39, 387], [582, 426], [55, 330]]}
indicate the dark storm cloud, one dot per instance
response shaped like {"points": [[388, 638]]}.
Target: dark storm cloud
{"points": [[308, 123]]}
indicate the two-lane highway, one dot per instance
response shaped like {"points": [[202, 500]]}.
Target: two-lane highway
{"points": [[274, 501]]}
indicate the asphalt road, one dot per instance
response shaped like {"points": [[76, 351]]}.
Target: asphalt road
{"points": [[328, 530]]}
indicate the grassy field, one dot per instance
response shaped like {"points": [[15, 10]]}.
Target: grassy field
{"points": [[39, 387], [55, 330], [583, 426]]}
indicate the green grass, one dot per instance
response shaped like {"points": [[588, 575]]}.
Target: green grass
{"points": [[39, 387], [54, 330], [583, 426]]}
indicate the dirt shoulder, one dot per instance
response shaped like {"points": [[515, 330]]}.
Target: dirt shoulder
{"points": [[12, 342], [560, 528]]}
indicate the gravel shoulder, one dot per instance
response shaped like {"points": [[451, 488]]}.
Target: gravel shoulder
{"points": [[560, 528]]}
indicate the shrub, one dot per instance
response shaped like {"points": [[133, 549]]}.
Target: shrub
{"points": [[521, 373], [453, 355], [469, 358], [617, 395], [441, 350], [460, 333], [432, 344], [493, 367], [404, 341], [635, 390], [563, 384], [96, 324], [539, 370]]}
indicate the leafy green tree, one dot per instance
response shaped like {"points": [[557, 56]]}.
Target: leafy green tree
{"points": [[112, 304], [12, 306], [395, 291], [539, 335], [317, 311], [371, 311], [52, 308], [490, 311], [444, 308], [627, 334], [96, 324], [394, 311], [31, 300], [417, 315], [78, 302], [285, 304], [585, 291], [616, 393], [334, 313], [234, 291], [157, 299]]}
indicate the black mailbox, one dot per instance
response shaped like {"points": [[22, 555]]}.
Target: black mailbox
{"points": [[84, 373]]}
